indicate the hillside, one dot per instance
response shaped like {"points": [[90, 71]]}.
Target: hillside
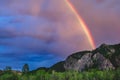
{"points": [[105, 57]]}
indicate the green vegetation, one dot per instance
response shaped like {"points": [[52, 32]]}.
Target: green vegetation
{"points": [[78, 55], [25, 69], [67, 75]]}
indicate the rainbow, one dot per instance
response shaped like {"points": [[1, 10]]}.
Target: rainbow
{"points": [[82, 23]]}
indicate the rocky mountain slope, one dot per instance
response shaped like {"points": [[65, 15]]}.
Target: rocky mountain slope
{"points": [[104, 57]]}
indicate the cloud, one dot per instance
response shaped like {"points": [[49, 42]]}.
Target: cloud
{"points": [[31, 28], [102, 18], [34, 61], [37, 27]]}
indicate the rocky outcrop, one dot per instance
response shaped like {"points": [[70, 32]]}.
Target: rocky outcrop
{"points": [[80, 62], [111, 52], [101, 63], [103, 58]]}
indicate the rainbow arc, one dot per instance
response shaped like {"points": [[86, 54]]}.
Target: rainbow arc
{"points": [[82, 24]]}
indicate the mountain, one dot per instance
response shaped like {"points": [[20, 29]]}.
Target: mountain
{"points": [[104, 57], [39, 69], [58, 67]]}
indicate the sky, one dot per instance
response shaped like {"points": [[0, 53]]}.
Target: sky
{"points": [[43, 32]]}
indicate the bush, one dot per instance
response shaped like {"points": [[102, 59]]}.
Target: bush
{"points": [[9, 77], [68, 75]]}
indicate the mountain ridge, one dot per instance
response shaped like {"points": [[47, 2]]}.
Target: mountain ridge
{"points": [[105, 57]]}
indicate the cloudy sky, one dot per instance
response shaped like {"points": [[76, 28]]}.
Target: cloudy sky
{"points": [[43, 32]]}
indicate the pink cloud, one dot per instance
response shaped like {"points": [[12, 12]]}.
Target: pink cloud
{"points": [[53, 27], [102, 19]]}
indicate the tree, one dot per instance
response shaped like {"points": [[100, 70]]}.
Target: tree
{"points": [[25, 68], [7, 68]]}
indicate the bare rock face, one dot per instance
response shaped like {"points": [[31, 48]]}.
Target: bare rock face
{"points": [[102, 63], [103, 58], [111, 52], [77, 64]]}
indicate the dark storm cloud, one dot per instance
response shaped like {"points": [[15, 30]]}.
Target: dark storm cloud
{"points": [[33, 60]]}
